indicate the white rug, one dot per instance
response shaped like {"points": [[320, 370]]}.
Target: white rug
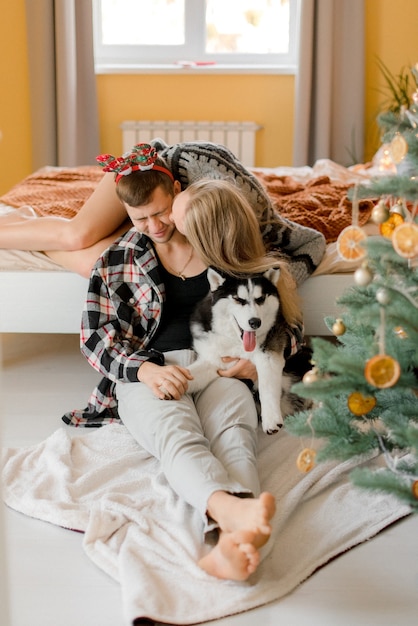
{"points": [[138, 531]]}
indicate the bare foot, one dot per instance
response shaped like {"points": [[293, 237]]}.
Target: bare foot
{"points": [[10, 218], [251, 514], [233, 558], [18, 216]]}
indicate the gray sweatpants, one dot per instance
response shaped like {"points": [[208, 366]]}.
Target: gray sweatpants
{"points": [[205, 442]]}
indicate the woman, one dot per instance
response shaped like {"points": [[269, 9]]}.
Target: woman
{"points": [[224, 231], [77, 243]]}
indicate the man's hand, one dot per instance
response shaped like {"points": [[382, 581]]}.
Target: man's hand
{"points": [[167, 382], [242, 368]]}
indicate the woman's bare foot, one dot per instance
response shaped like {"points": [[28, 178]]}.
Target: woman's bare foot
{"points": [[233, 558], [13, 218], [252, 514], [244, 526]]}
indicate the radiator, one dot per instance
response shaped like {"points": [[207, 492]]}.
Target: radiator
{"points": [[239, 137]]}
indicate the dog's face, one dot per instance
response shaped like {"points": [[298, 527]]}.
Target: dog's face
{"points": [[249, 306]]}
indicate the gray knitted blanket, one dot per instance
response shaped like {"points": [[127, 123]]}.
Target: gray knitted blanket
{"points": [[304, 247]]}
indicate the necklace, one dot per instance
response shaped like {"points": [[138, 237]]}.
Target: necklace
{"points": [[180, 273]]}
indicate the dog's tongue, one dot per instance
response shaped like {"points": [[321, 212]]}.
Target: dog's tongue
{"points": [[248, 339]]}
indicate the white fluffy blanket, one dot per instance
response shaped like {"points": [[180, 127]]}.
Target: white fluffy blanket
{"points": [[141, 534]]}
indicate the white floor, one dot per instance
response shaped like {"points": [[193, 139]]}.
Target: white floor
{"points": [[52, 583]]}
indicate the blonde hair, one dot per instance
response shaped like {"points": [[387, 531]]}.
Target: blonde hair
{"points": [[222, 227]]}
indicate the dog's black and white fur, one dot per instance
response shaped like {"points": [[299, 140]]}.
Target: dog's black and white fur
{"points": [[242, 317]]}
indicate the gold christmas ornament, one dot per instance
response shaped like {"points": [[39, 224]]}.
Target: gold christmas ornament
{"points": [[359, 404], [311, 376], [306, 460], [383, 296], [338, 327], [398, 208], [415, 489], [382, 371], [380, 212], [363, 275]]}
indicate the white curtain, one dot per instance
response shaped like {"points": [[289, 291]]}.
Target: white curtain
{"points": [[65, 129], [329, 102]]}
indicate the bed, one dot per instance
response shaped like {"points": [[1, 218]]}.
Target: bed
{"points": [[39, 296]]}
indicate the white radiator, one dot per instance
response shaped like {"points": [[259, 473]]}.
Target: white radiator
{"points": [[239, 137]]}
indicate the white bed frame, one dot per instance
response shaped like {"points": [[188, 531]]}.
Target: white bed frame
{"points": [[52, 301]]}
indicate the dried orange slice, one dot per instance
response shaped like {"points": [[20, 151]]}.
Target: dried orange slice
{"points": [[382, 371], [398, 148], [400, 332], [386, 229], [405, 240], [359, 404], [306, 460], [348, 243]]}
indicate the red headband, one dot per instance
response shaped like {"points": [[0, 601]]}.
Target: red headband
{"points": [[141, 157]]}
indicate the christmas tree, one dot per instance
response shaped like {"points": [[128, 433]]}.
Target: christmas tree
{"points": [[364, 384]]}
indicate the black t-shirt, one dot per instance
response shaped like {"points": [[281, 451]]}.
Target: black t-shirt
{"points": [[181, 299]]}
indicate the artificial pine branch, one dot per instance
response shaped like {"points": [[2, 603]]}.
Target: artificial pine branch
{"points": [[364, 386]]}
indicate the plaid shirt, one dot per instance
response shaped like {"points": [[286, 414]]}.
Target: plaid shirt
{"points": [[120, 316]]}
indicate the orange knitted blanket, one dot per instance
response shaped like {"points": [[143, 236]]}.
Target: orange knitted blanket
{"points": [[320, 204], [54, 190]]}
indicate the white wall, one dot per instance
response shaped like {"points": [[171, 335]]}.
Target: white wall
{"points": [[4, 612]]}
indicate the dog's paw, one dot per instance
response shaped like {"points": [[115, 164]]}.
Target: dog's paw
{"points": [[203, 374], [272, 425]]}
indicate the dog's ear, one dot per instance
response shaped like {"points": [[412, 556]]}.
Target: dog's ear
{"points": [[272, 275], [215, 279]]}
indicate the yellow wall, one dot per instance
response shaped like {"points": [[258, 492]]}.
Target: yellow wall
{"points": [[390, 35], [267, 100], [15, 139]]}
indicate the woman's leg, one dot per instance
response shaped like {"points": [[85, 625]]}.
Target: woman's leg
{"points": [[174, 432], [82, 261], [100, 216], [229, 420]]}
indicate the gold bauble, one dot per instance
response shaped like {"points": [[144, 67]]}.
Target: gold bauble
{"points": [[311, 376], [363, 275], [338, 327], [380, 212]]}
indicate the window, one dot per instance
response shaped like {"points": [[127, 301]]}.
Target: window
{"points": [[200, 35]]}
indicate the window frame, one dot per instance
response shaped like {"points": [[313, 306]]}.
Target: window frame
{"points": [[123, 59]]}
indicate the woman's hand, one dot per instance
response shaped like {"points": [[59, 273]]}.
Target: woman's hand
{"points": [[242, 368], [167, 382]]}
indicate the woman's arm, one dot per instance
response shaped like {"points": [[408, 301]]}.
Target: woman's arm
{"points": [[304, 247]]}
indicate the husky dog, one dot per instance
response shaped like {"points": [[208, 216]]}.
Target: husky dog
{"points": [[241, 317]]}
